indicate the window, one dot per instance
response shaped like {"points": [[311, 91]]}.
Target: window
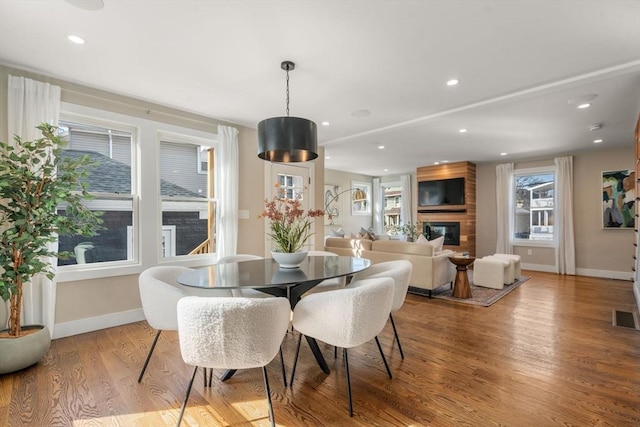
{"points": [[111, 182], [188, 206], [392, 193], [533, 210], [158, 207], [291, 186]]}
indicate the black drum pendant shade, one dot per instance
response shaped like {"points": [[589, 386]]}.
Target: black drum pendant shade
{"points": [[287, 139]]}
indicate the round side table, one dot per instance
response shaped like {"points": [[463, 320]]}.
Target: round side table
{"points": [[461, 288]]}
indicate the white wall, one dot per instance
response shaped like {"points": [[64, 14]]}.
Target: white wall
{"points": [[599, 252], [350, 223]]}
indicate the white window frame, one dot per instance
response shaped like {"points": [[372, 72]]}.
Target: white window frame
{"points": [[183, 204], [147, 247], [512, 206], [108, 201]]}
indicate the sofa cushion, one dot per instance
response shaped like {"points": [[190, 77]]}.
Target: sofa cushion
{"points": [[357, 244], [395, 246]]}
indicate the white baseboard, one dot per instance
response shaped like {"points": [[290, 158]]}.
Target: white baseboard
{"points": [[636, 293], [81, 326], [606, 274], [539, 267]]}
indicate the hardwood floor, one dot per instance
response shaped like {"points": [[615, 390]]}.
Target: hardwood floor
{"points": [[545, 355]]}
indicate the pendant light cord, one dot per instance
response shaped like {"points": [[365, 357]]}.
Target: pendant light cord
{"points": [[287, 91]]}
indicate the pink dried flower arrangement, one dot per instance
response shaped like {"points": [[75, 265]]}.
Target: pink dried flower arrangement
{"points": [[290, 225]]}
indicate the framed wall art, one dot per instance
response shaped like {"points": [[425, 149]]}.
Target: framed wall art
{"points": [[360, 198], [333, 204], [618, 199]]}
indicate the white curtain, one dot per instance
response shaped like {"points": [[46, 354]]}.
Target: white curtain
{"points": [[227, 191], [31, 103], [565, 246], [504, 178], [406, 209], [378, 206]]}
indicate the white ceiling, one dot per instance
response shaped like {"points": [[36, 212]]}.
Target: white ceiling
{"points": [[519, 63]]}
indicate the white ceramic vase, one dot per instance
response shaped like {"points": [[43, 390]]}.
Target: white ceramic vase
{"points": [[289, 260]]}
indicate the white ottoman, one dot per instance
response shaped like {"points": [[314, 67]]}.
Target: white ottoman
{"points": [[491, 272], [510, 277], [517, 271]]}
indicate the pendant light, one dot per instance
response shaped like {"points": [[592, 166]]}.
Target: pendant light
{"points": [[287, 139]]}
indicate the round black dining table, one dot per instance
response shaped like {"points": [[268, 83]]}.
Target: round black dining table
{"points": [[266, 276]]}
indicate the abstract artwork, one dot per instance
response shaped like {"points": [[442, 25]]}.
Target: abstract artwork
{"points": [[618, 199], [333, 204]]}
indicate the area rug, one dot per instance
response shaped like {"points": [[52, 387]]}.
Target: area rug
{"points": [[480, 296]]}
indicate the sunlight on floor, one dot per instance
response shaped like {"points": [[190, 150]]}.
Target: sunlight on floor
{"points": [[252, 411]]}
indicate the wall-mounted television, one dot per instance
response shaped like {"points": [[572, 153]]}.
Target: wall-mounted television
{"points": [[442, 192]]}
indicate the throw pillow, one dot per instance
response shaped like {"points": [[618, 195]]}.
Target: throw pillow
{"points": [[337, 233], [437, 243], [367, 234], [422, 239]]}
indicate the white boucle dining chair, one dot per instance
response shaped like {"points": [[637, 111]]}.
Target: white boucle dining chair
{"points": [[400, 272], [345, 318], [251, 293], [159, 294], [231, 333]]}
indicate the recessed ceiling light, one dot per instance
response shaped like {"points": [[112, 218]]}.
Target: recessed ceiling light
{"points": [[462, 131], [436, 163], [360, 113], [582, 99], [583, 106], [503, 154], [76, 39], [87, 4], [444, 161], [386, 170], [597, 141], [327, 157], [325, 123], [453, 82], [380, 147]]}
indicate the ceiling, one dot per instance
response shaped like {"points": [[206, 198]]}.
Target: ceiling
{"points": [[519, 64]]}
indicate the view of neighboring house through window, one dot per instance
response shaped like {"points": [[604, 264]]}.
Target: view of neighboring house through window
{"points": [[534, 206], [291, 187], [186, 188], [110, 182], [392, 204]]}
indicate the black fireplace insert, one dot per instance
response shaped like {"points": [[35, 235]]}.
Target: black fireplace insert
{"points": [[450, 231]]}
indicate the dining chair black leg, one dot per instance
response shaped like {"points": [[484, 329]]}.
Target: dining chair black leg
{"points": [[397, 337], [295, 360], [384, 359], [284, 373], [210, 376], [186, 397], [335, 351], [204, 375], [346, 364], [146, 362], [268, 390]]}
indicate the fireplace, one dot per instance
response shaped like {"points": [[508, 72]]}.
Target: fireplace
{"points": [[450, 231]]}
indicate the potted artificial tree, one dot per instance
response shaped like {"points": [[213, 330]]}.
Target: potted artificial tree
{"points": [[36, 180]]}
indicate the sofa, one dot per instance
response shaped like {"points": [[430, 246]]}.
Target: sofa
{"points": [[431, 269]]}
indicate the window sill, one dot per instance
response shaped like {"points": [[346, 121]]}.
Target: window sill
{"points": [[534, 243]]}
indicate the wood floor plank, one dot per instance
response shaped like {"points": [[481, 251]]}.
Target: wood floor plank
{"points": [[547, 354]]}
